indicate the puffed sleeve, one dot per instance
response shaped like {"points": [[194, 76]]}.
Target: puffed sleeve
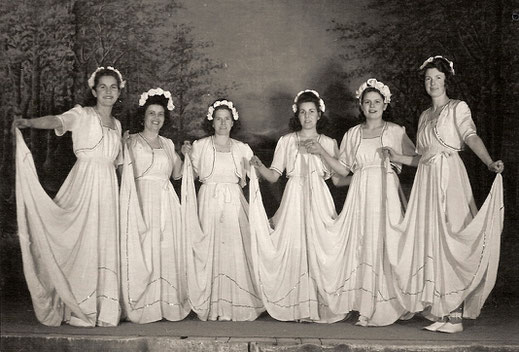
{"points": [[70, 120], [463, 120], [279, 161], [176, 161], [195, 156]]}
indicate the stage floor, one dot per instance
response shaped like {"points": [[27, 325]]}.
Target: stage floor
{"points": [[497, 329]]}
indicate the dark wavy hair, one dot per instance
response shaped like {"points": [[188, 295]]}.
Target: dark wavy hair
{"points": [[307, 97], [90, 100], [441, 65], [207, 125], [153, 100], [387, 115]]}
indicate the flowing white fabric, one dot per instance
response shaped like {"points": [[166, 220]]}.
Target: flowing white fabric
{"points": [[288, 256], [70, 245], [445, 253], [154, 282], [359, 278], [220, 276]]}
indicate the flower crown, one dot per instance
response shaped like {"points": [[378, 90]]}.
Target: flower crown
{"points": [[91, 80], [157, 91], [218, 103], [451, 64], [322, 107], [373, 83]]}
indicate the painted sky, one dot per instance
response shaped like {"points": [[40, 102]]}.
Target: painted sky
{"points": [[272, 49]]}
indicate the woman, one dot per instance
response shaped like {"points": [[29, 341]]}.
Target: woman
{"points": [[220, 274], [287, 255], [363, 270], [447, 254], [154, 284], [70, 244]]}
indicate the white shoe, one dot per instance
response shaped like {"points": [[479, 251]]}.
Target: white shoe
{"points": [[434, 326], [363, 321], [451, 328]]}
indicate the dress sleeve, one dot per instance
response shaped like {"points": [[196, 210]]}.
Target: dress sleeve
{"points": [[279, 160], [176, 162], [343, 156], [402, 145], [70, 120], [195, 156], [463, 120]]}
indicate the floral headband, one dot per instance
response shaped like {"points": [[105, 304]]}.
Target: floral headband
{"points": [[373, 83], [322, 107], [91, 80], [218, 103], [429, 60], [157, 91]]}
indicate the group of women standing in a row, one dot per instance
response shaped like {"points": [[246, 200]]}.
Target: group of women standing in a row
{"points": [[93, 253]]}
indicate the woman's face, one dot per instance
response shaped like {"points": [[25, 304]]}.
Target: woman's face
{"points": [[308, 115], [222, 122], [373, 105], [434, 82], [154, 118], [107, 91]]}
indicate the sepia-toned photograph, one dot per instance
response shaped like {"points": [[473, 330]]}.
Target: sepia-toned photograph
{"points": [[259, 175]]}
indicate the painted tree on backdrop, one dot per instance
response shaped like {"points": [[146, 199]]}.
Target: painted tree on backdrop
{"points": [[479, 36], [49, 56]]}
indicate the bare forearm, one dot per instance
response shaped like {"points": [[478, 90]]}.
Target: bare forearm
{"points": [[409, 160], [478, 147], [268, 174], [177, 171], [48, 122], [335, 164]]}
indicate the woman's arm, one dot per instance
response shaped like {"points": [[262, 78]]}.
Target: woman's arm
{"points": [[268, 174], [315, 147], [48, 122], [410, 160], [478, 147]]}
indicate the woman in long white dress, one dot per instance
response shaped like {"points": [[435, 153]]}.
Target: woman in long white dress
{"points": [[286, 255], [70, 244], [153, 282], [220, 274], [362, 266], [448, 252]]}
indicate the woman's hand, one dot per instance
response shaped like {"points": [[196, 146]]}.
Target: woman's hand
{"points": [[390, 153], [256, 162], [496, 166], [186, 149], [126, 136], [21, 123], [313, 146]]}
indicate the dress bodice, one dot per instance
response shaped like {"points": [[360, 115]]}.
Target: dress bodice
{"points": [[223, 169]]}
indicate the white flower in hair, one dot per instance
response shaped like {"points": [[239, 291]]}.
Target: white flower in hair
{"points": [[451, 64], [91, 80], [218, 103], [373, 83], [322, 107], [157, 91]]}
